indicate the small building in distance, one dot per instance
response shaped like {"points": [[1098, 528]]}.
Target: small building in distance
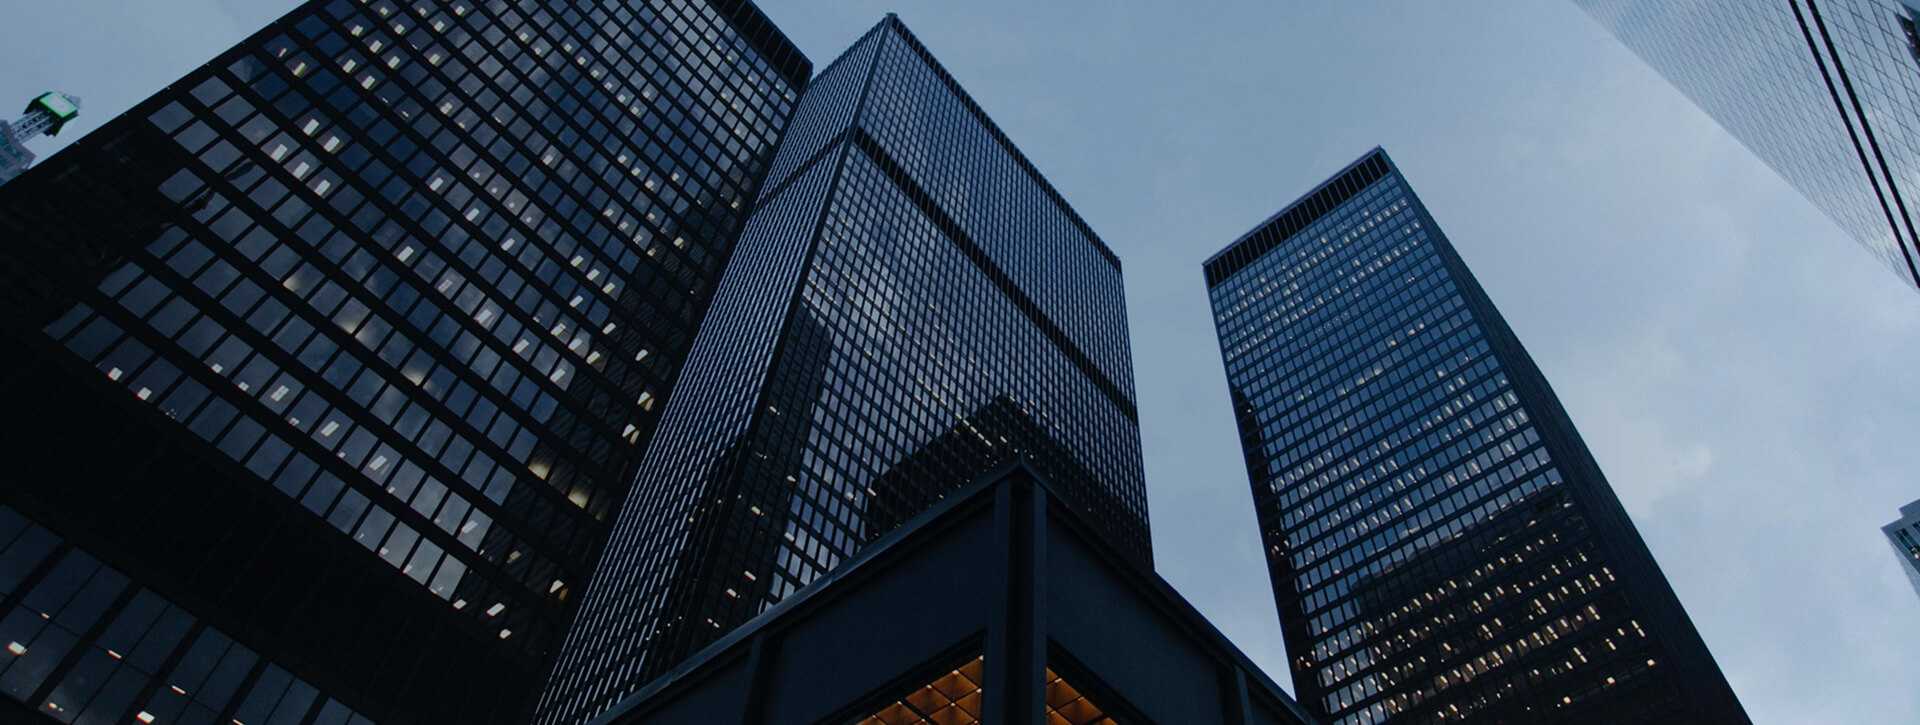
{"points": [[1904, 535]]}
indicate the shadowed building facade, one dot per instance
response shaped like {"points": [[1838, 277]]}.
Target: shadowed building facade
{"points": [[1904, 536], [997, 604], [1441, 543], [1824, 91], [334, 353], [907, 278]]}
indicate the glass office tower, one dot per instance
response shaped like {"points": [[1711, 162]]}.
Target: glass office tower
{"points": [[910, 305], [335, 354], [1904, 535], [1442, 545], [1823, 91]]}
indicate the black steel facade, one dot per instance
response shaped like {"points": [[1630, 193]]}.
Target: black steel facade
{"points": [[1827, 92], [910, 304], [335, 354], [1441, 543]]}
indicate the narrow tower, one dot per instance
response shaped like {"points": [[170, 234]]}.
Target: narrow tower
{"points": [[911, 304], [1441, 543]]}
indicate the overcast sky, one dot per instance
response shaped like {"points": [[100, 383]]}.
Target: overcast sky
{"points": [[1743, 372]]}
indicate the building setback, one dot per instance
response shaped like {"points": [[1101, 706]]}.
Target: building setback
{"points": [[910, 304], [331, 356], [1441, 543], [1904, 536], [1821, 90]]}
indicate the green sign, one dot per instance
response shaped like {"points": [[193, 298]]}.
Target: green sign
{"points": [[57, 104]]}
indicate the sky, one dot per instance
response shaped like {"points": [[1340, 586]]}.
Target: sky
{"points": [[1742, 371]]}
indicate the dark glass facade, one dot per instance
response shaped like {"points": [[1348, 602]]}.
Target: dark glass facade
{"points": [[1442, 545], [343, 345], [1827, 92], [87, 645], [909, 305], [1904, 536]]}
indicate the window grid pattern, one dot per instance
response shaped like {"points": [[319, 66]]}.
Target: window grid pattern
{"points": [[927, 124], [1427, 561], [84, 644], [436, 268], [885, 354], [1748, 64], [1878, 47], [607, 643]]}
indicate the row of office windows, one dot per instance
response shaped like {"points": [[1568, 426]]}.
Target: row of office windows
{"points": [[874, 364], [1407, 480], [874, 397], [84, 644], [929, 128], [1290, 270], [609, 647], [1518, 612], [450, 405]]}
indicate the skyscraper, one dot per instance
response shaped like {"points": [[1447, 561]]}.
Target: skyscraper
{"points": [[1821, 90], [1904, 536], [907, 281], [333, 354], [1441, 543]]}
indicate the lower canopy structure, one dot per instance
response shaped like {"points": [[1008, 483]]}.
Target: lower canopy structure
{"points": [[999, 605]]}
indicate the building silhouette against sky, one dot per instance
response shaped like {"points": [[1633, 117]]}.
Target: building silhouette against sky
{"points": [[1441, 543], [333, 357], [907, 280], [1824, 91], [1904, 535]]}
